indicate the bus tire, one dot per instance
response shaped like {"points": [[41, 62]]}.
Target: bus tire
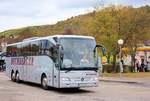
{"points": [[17, 77], [44, 82], [13, 76]]}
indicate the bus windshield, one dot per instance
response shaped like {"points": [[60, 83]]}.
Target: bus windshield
{"points": [[78, 53]]}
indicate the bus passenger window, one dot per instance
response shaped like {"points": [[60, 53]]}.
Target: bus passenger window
{"points": [[55, 54], [34, 48], [8, 54], [14, 52]]}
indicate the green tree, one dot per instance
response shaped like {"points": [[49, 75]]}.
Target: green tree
{"points": [[105, 28]]}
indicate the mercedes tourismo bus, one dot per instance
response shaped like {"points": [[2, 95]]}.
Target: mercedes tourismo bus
{"points": [[61, 61]]}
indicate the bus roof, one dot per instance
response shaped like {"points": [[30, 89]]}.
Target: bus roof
{"points": [[51, 37], [73, 36]]}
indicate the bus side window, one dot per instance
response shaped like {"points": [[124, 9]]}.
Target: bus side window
{"points": [[51, 50], [8, 54], [34, 48], [45, 48], [14, 51], [41, 47], [55, 54], [25, 49], [19, 50]]}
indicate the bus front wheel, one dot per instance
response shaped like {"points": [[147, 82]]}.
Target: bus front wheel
{"points": [[44, 82]]}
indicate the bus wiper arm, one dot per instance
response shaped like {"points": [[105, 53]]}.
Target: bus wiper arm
{"points": [[69, 69]]}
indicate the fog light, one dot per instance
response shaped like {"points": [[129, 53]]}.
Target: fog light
{"points": [[65, 79], [96, 78]]}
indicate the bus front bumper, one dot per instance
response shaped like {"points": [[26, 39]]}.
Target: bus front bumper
{"points": [[78, 85]]}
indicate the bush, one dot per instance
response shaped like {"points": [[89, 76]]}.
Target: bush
{"points": [[131, 68], [108, 68], [125, 69]]}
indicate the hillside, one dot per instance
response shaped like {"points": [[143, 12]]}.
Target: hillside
{"points": [[73, 25]]}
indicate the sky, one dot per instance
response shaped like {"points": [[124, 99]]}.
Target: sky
{"points": [[23, 13]]}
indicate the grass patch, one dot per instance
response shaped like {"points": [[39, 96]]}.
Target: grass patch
{"points": [[127, 75]]}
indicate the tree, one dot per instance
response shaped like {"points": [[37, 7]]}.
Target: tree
{"points": [[135, 28], [105, 28], [118, 22]]}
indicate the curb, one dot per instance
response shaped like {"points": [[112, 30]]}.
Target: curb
{"points": [[117, 80]]}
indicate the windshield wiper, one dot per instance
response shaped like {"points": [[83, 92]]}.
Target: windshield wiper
{"points": [[80, 68], [87, 68], [68, 69]]}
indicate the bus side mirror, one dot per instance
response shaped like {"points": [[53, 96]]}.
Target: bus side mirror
{"points": [[103, 49], [60, 55], [61, 51]]}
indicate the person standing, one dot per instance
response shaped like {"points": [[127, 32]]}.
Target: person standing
{"points": [[142, 65], [146, 67], [137, 66], [140, 68]]}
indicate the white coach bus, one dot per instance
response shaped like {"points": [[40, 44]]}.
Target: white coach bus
{"points": [[61, 61]]}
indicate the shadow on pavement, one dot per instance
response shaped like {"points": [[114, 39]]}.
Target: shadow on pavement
{"points": [[58, 90], [142, 84], [71, 90]]}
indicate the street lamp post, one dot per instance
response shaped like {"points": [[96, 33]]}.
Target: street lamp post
{"points": [[120, 42]]}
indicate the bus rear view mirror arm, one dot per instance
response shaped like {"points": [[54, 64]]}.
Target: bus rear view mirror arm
{"points": [[103, 49]]}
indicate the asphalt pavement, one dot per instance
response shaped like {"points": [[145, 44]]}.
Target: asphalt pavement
{"points": [[107, 91], [136, 81]]}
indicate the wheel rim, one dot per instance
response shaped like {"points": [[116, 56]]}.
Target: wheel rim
{"points": [[13, 76], [17, 77], [44, 82]]}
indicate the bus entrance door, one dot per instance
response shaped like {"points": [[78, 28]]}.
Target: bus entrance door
{"points": [[56, 77]]}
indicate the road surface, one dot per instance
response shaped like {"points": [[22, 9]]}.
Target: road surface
{"points": [[107, 91]]}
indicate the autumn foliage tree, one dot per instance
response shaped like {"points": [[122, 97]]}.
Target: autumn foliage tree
{"points": [[119, 22], [135, 28], [104, 27]]}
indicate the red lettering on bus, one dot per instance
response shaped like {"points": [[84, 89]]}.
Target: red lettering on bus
{"points": [[22, 61]]}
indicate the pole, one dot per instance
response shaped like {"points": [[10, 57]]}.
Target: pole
{"points": [[120, 64]]}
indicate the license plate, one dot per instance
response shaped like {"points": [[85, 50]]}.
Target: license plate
{"points": [[78, 84], [81, 84]]}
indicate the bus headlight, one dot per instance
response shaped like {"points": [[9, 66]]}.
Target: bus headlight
{"points": [[96, 78], [65, 79]]}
